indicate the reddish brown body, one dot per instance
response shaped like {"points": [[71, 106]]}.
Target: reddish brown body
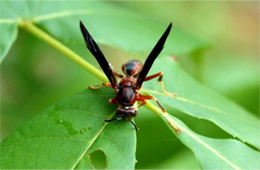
{"points": [[135, 73], [126, 90]]}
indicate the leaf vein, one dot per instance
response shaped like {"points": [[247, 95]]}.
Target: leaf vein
{"points": [[92, 141], [199, 104], [54, 138], [200, 141], [60, 14]]}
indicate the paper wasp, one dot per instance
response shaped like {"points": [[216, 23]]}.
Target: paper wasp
{"points": [[135, 73]]}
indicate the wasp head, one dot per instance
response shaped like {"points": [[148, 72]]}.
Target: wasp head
{"points": [[127, 112], [132, 68]]}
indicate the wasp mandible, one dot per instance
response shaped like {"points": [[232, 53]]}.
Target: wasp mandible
{"points": [[135, 73]]}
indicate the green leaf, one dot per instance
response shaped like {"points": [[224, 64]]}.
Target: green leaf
{"points": [[66, 135], [198, 101], [108, 23], [215, 153], [183, 159], [241, 84], [8, 36], [8, 29], [59, 139], [242, 73]]}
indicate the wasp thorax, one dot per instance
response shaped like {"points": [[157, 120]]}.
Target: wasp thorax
{"points": [[132, 68]]}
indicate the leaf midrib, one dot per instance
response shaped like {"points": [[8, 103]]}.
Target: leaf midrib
{"points": [[39, 18], [185, 100], [200, 141], [89, 145], [50, 16], [168, 120]]}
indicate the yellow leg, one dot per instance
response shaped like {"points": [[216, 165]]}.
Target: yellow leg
{"points": [[163, 88], [165, 92], [95, 87], [101, 85], [160, 75]]}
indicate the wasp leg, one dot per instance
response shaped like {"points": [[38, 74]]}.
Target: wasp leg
{"points": [[160, 75], [175, 128], [100, 86], [118, 75], [117, 118], [143, 99], [113, 100], [133, 123], [153, 76]]}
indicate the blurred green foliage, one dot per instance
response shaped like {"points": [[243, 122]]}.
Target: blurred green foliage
{"points": [[34, 75], [231, 65]]}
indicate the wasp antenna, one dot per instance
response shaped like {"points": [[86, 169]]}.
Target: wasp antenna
{"points": [[97, 53], [82, 27], [152, 56]]}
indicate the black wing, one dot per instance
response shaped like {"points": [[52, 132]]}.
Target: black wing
{"points": [[152, 56], [97, 53]]}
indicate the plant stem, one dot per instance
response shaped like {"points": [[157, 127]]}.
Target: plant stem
{"points": [[29, 26]]}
